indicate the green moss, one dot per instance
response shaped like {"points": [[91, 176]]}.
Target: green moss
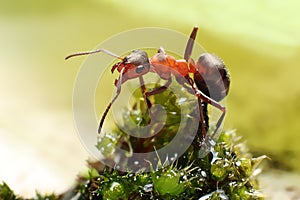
{"points": [[219, 175], [211, 177], [7, 194], [226, 171]]}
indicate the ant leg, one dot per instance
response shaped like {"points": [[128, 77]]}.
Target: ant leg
{"points": [[160, 89], [190, 44], [142, 83], [210, 101], [215, 104], [119, 82], [200, 95], [202, 121], [152, 92]]}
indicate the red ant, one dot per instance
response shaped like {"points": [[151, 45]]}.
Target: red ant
{"points": [[137, 64]]}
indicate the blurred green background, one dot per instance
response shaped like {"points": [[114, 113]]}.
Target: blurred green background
{"points": [[258, 40]]}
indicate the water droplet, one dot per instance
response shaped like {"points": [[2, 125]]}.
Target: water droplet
{"points": [[148, 187]]}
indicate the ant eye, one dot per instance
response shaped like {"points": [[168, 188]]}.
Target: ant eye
{"points": [[139, 69]]}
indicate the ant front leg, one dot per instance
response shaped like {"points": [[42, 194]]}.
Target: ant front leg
{"points": [[119, 83]]}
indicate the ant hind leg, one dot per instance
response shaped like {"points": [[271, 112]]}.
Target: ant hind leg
{"points": [[190, 44]]}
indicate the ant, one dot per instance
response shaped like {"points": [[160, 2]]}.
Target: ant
{"points": [[137, 64]]}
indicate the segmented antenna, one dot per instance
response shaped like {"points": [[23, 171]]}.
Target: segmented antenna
{"points": [[93, 52]]}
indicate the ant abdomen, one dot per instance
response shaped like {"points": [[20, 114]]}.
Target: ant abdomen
{"points": [[212, 76]]}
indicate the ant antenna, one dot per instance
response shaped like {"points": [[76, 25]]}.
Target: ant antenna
{"points": [[93, 52]]}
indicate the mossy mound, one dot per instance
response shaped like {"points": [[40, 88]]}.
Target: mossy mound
{"points": [[225, 171]]}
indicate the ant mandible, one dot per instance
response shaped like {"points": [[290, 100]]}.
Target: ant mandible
{"points": [[137, 64]]}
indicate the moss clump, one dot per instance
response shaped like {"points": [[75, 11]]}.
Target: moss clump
{"points": [[7, 194], [225, 171]]}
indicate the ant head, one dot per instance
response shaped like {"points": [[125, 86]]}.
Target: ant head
{"points": [[140, 60], [137, 57], [134, 65]]}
